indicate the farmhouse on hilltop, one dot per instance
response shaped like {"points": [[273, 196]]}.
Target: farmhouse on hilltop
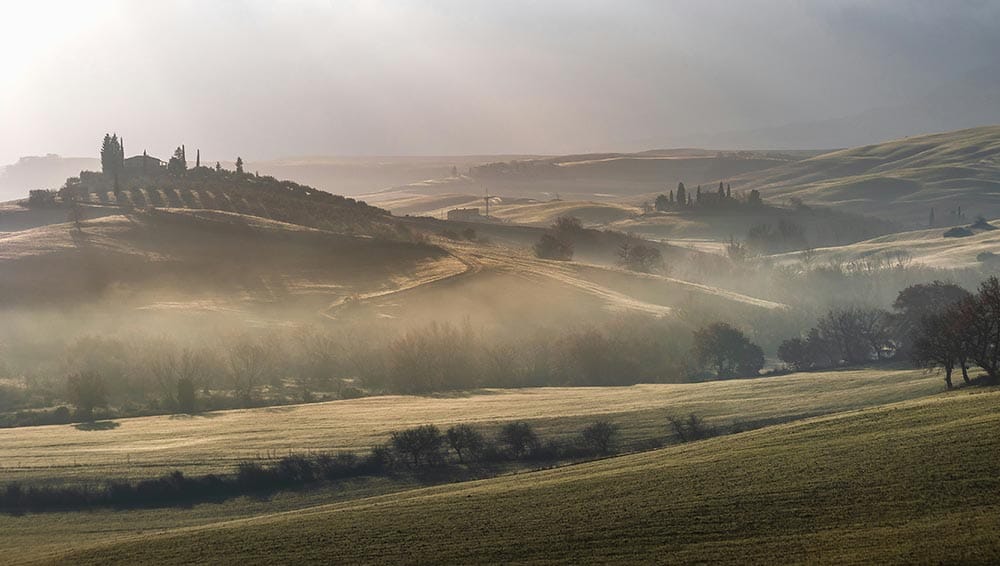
{"points": [[143, 162]]}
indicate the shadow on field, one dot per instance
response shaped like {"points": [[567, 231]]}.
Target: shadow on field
{"points": [[98, 425]]}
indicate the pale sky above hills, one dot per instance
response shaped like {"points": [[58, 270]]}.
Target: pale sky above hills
{"points": [[265, 79]]}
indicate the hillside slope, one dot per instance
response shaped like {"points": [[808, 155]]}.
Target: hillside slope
{"points": [[215, 442], [900, 180], [165, 254], [598, 176], [928, 247], [913, 482]]}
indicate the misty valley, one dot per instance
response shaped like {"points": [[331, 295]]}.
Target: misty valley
{"points": [[578, 315]]}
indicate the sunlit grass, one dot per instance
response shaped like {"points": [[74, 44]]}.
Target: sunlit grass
{"points": [[917, 481]]}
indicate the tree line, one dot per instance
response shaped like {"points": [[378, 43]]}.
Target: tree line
{"points": [[720, 198], [106, 377], [936, 325]]}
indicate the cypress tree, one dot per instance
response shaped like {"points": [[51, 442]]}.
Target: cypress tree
{"points": [[722, 191], [197, 160], [729, 189], [682, 194]]}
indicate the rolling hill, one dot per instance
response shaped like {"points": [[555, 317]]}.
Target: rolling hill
{"points": [[909, 482], [596, 176], [148, 446], [159, 255], [900, 180], [928, 247]]}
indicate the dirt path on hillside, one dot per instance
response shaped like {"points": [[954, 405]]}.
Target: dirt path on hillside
{"points": [[477, 258]]}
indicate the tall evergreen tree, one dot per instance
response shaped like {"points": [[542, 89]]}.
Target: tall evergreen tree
{"points": [[698, 198], [239, 165], [661, 203], [722, 191], [111, 155], [177, 164], [729, 189], [681, 194], [197, 160]]}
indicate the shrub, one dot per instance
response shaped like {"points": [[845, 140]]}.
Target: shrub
{"points": [[600, 436], [551, 246], [420, 443], [466, 441], [518, 439], [957, 232], [87, 391], [692, 428]]}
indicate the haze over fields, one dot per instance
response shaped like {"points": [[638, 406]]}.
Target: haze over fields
{"points": [[439, 281]]}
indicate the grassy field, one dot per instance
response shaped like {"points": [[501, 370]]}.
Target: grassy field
{"points": [[215, 442], [900, 180], [914, 482], [928, 247]]}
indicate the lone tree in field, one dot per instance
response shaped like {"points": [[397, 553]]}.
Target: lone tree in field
{"points": [[422, 443], [552, 246], [186, 398], [86, 392], [600, 436], [239, 165], [943, 341], [636, 256], [518, 439], [727, 351], [249, 362], [466, 441]]}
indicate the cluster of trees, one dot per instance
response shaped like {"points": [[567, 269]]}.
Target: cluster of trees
{"points": [[961, 331], [719, 198], [635, 255], [936, 324], [427, 445], [727, 351], [557, 242], [105, 376], [440, 357], [112, 155], [843, 336], [632, 253], [785, 235]]}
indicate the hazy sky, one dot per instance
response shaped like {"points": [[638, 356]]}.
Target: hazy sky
{"points": [[269, 79]]}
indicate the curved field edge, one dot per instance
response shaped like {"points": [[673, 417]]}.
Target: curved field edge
{"points": [[916, 481], [215, 442]]}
